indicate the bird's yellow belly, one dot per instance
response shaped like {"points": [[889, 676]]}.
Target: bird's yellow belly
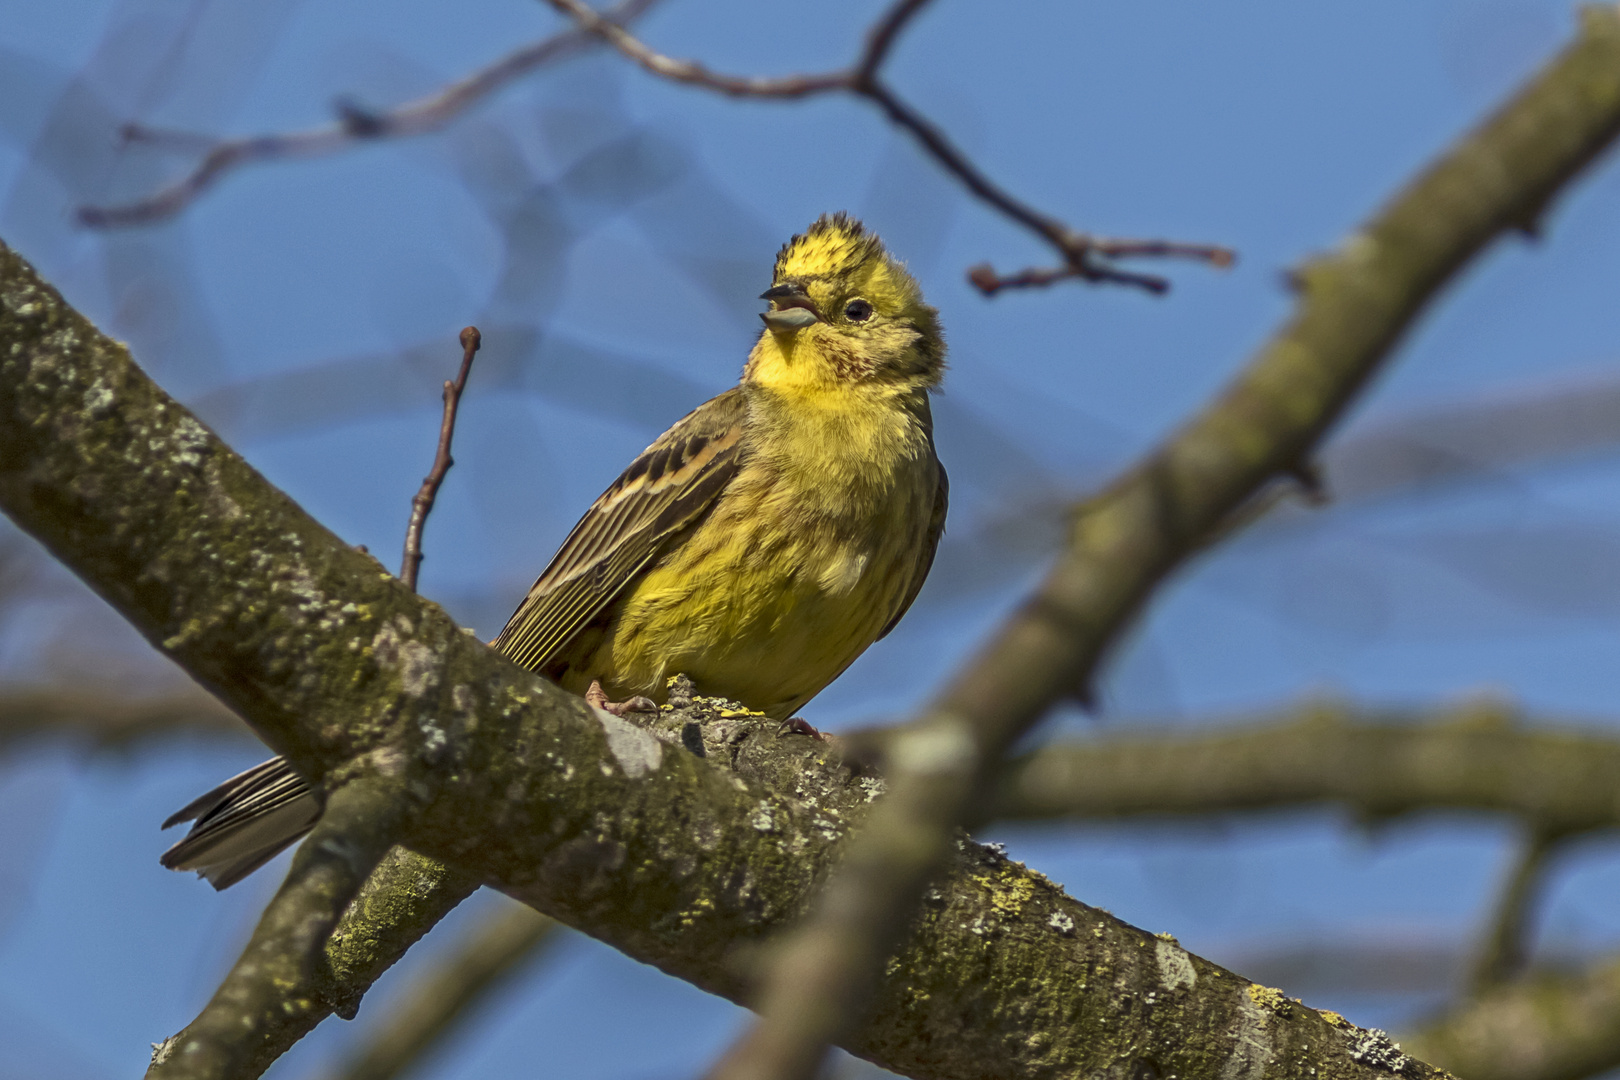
{"points": [[765, 603]]}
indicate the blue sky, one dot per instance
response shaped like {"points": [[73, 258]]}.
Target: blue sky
{"points": [[307, 309]]}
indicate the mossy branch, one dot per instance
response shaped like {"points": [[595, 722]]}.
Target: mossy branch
{"points": [[683, 862]]}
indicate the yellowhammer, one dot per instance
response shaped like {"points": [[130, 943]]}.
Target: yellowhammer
{"points": [[758, 546]]}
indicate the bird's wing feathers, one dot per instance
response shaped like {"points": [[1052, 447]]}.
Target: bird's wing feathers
{"points": [[248, 819], [925, 557], [669, 486]]}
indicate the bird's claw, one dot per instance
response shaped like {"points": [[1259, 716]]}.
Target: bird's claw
{"points": [[598, 697], [797, 725]]}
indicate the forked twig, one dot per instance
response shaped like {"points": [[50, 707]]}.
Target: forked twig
{"points": [[422, 504], [1080, 251]]}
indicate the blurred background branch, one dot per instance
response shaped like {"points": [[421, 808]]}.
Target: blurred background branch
{"points": [[355, 125], [1504, 949], [1479, 756], [109, 721], [1545, 1026]]}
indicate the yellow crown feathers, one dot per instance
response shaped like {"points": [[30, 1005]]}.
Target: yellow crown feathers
{"points": [[839, 246]]}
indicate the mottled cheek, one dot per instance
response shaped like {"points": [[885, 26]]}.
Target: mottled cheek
{"points": [[846, 361]]}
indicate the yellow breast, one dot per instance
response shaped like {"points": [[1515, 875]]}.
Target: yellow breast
{"points": [[801, 564]]}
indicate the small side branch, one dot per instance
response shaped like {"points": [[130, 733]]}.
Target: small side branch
{"points": [[432, 1006], [354, 833], [405, 897], [1083, 249], [422, 504], [1505, 950]]}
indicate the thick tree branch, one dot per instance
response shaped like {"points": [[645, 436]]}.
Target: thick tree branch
{"points": [[683, 862], [1354, 307]]}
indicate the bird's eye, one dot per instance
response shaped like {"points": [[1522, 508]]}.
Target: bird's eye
{"points": [[857, 311]]}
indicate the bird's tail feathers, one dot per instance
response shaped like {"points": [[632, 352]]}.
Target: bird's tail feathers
{"points": [[243, 823]]}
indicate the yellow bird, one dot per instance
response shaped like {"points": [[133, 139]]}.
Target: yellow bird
{"points": [[758, 546]]}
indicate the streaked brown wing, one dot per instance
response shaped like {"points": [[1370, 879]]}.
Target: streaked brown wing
{"points": [[925, 558], [669, 486]]}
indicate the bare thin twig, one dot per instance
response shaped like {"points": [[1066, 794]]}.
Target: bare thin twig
{"points": [[1080, 251], [691, 72], [422, 504], [355, 125]]}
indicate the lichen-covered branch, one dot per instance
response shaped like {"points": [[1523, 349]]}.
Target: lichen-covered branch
{"points": [[353, 834], [404, 898], [1355, 305], [684, 862], [1377, 764]]}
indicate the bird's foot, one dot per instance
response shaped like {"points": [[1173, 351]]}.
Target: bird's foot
{"points": [[598, 697], [798, 725]]}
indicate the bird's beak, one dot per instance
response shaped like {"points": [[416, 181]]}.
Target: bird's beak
{"points": [[794, 309]]}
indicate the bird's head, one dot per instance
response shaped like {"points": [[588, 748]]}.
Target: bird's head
{"points": [[844, 310]]}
